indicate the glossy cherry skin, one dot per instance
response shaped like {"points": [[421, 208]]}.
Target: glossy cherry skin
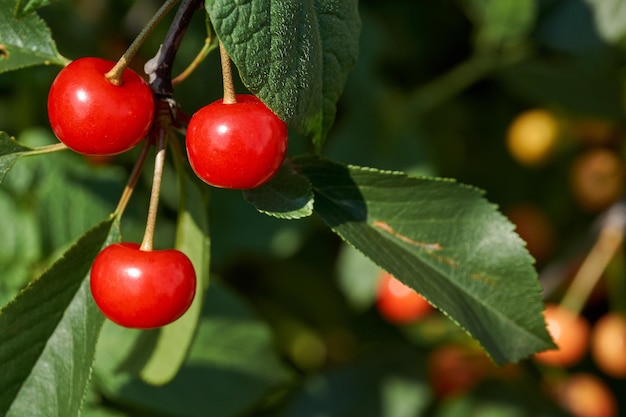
{"points": [[94, 117], [399, 303], [239, 145], [142, 289]]}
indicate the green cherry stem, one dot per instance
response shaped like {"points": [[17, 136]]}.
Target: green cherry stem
{"points": [[227, 77], [608, 242], [132, 180], [159, 163], [46, 149], [206, 48], [115, 74]]}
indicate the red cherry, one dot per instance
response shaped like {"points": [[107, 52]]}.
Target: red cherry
{"points": [[398, 303], [142, 289], [239, 145], [94, 117]]}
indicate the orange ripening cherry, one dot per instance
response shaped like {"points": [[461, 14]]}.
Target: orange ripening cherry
{"points": [[532, 137], [608, 344], [597, 178], [570, 333], [399, 303], [586, 395]]}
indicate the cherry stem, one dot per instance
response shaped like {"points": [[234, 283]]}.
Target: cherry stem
{"points": [[206, 48], [159, 163], [132, 180], [608, 242], [227, 77], [116, 73], [46, 149]]}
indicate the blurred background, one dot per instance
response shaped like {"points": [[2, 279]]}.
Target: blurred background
{"points": [[521, 98]]}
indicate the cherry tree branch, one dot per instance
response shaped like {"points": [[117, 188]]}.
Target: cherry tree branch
{"points": [[159, 68]]}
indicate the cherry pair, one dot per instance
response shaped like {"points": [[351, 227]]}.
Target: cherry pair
{"points": [[239, 145]]}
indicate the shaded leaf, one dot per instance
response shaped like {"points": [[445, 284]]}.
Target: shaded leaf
{"points": [[584, 85], [389, 384], [174, 340], [294, 56], [10, 150], [48, 335], [26, 41], [230, 368], [287, 196], [444, 240]]}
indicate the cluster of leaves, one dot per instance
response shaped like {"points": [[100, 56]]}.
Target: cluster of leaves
{"points": [[439, 236]]}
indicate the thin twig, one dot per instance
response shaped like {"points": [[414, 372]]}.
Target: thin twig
{"points": [[132, 180], [116, 73], [161, 71], [608, 242], [206, 48]]}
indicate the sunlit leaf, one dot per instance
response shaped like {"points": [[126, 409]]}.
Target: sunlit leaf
{"points": [[25, 41], [444, 240], [48, 335], [501, 23], [295, 56], [610, 19], [24, 7]]}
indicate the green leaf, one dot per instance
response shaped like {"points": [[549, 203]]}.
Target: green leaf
{"points": [[358, 277], [26, 41], [24, 7], [295, 56], [48, 335], [231, 366], [444, 240], [587, 84], [287, 196], [390, 383], [10, 150], [502, 398], [174, 340], [610, 19], [501, 23]]}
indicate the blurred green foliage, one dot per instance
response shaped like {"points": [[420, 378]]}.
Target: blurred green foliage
{"points": [[436, 86]]}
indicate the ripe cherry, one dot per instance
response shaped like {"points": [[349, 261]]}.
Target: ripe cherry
{"points": [[398, 303], [454, 370], [239, 145], [142, 289], [586, 395], [608, 344], [91, 115], [570, 333]]}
